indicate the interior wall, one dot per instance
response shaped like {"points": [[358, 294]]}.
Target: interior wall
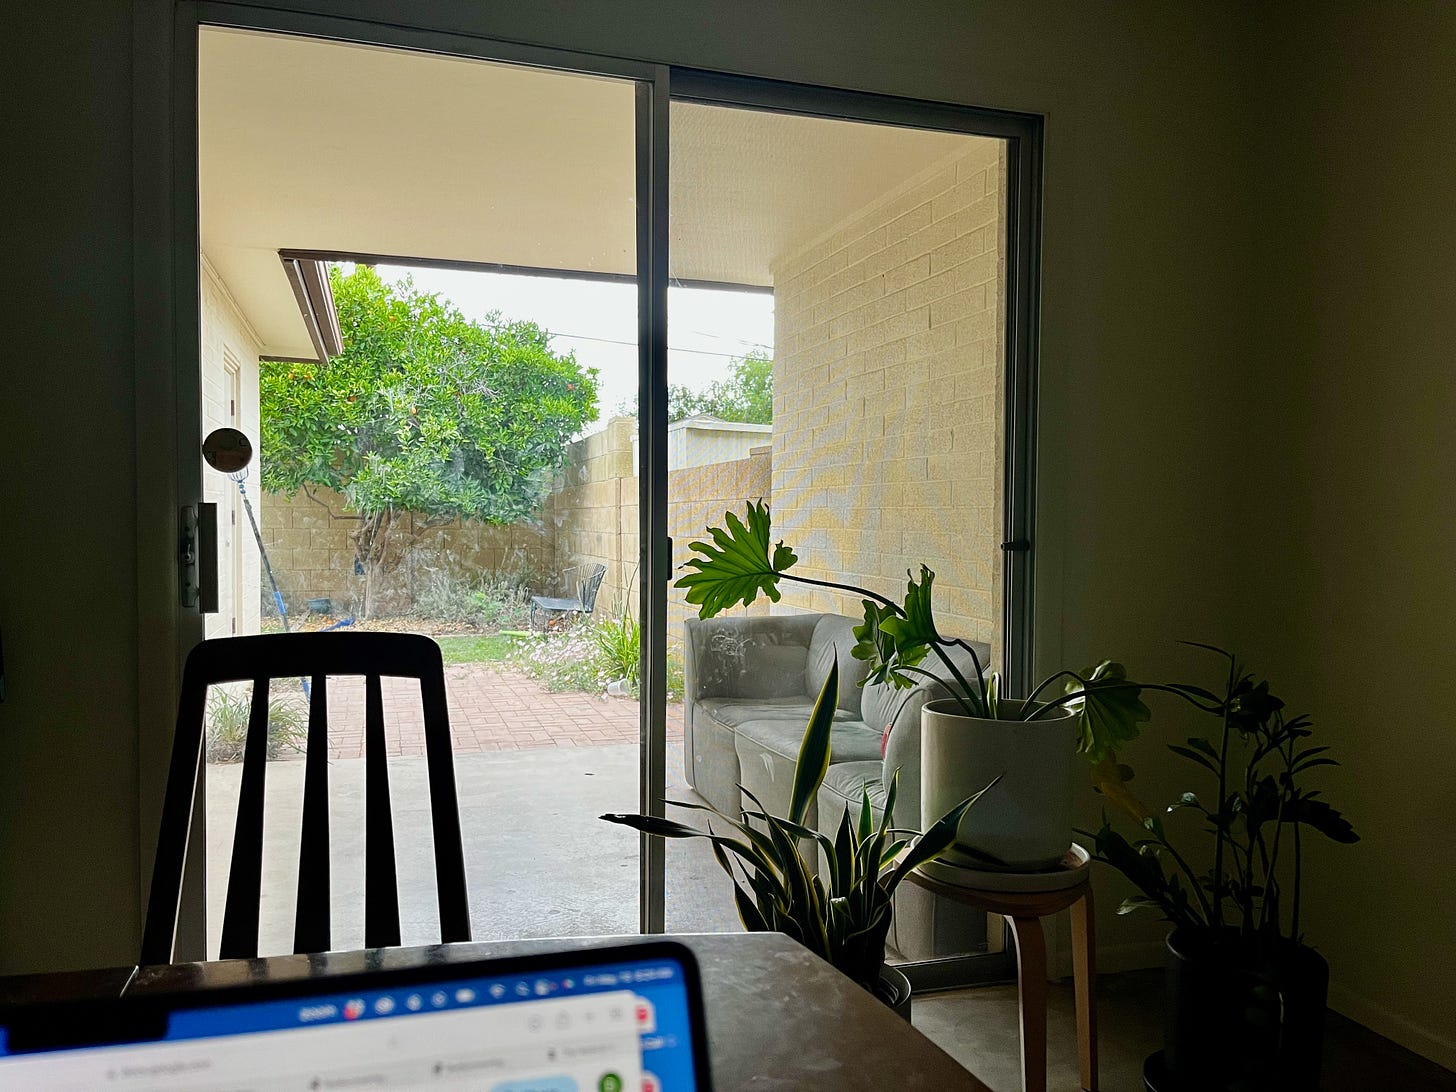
{"points": [[68, 531], [1349, 519], [1143, 265]]}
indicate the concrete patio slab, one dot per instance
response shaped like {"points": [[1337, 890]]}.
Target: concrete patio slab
{"points": [[539, 862]]}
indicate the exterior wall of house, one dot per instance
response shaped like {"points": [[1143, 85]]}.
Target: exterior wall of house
{"points": [[887, 395], [230, 350], [699, 441]]}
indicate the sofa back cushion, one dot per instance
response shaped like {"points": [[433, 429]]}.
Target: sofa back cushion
{"points": [[834, 639], [747, 657]]}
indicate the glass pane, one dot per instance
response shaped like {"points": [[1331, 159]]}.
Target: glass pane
{"points": [[452, 468], [875, 259]]}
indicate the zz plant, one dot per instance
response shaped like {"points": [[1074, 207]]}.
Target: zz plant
{"points": [[1257, 816], [898, 638], [772, 860]]}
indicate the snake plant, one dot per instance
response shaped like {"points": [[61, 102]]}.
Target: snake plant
{"points": [[772, 860]]}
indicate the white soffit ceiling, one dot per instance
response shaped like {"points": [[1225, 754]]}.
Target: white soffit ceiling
{"points": [[314, 145]]}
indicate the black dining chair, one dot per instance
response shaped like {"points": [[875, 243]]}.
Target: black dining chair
{"points": [[315, 656]]}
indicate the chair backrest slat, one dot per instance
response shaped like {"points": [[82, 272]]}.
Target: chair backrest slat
{"points": [[381, 888], [311, 924], [444, 815], [294, 655], [245, 874]]}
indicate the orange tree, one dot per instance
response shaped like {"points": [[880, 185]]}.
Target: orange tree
{"points": [[424, 412]]}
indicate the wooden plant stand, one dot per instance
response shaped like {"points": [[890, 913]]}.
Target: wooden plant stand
{"points": [[1024, 910]]}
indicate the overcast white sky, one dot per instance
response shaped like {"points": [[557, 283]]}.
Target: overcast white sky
{"points": [[598, 321]]}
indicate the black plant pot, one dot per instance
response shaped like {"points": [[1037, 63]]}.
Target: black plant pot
{"points": [[1239, 1019], [893, 988]]}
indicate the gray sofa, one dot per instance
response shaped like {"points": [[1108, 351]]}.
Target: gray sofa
{"points": [[750, 684]]}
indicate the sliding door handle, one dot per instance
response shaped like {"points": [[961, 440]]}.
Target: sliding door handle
{"points": [[197, 557]]}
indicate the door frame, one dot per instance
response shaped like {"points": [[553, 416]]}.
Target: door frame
{"points": [[168, 354], [168, 322]]}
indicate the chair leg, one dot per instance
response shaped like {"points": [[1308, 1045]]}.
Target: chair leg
{"points": [[1031, 981], [1084, 974]]}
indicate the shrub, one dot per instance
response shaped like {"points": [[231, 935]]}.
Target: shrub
{"points": [[227, 724], [490, 601]]}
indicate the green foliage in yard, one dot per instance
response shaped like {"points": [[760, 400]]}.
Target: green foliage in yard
{"points": [[491, 648], [226, 719], [589, 655], [424, 411]]}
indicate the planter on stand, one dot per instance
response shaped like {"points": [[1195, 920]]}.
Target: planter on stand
{"points": [[1025, 821]]}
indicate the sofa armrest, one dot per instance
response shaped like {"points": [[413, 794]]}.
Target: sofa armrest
{"points": [[759, 656]]}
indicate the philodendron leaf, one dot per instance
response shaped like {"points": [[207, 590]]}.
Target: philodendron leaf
{"points": [[912, 632], [736, 565], [1108, 779], [1109, 708], [872, 644]]}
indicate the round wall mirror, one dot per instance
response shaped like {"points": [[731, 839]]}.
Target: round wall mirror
{"points": [[227, 450]]}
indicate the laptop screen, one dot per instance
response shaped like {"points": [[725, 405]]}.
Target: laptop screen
{"points": [[613, 1020]]}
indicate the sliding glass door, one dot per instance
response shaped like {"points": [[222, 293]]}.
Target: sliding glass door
{"points": [[431, 281], [843, 334]]}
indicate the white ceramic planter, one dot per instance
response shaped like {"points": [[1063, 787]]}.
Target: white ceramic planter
{"points": [[1026, 820]]}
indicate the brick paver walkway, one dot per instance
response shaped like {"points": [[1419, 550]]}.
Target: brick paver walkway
{"points": [[490, 710]]}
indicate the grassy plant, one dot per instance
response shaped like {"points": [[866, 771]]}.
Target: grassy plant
{"points": [[618, 644], [227, 725]]}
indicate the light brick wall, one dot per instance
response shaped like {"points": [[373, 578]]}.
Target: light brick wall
{"points": [[309, 546], [887, 380], [593, 510], [230, 350], [698, 497]]}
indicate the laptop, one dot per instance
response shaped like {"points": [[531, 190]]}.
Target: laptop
{"points": [[611, 1019]]}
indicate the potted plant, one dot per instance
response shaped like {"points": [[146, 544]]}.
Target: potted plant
{"points": [[1245, 995], [773, 863], [975, 733]]}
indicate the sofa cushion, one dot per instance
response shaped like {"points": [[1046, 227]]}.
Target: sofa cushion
{"points": [[850, 740], [834, 638], [845, 783], [731, 712], [750, 657]]}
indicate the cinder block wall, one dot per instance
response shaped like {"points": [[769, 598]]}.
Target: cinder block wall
{"points": [[230, 349], [698, 497], [887, 406], [309, 545], [593, 510]]}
